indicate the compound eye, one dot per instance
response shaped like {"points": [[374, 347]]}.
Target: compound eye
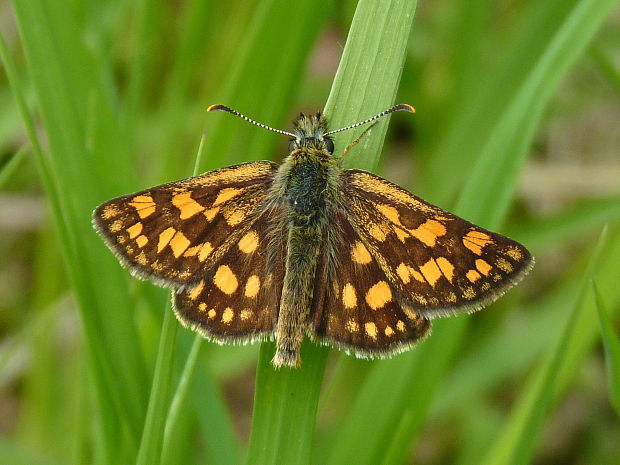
{"points": [[292, 145], [329, 145]]}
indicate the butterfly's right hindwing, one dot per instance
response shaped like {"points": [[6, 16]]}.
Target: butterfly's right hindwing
{"points": [[360, 310]]}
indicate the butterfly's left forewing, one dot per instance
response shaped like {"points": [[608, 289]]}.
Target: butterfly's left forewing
{"points": [[174, 232]]}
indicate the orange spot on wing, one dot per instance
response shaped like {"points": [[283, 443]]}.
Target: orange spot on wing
{"points": [[227, 315], [249, 242], [352, 326], [360, 254], [476, 241], [473, 276], [205, 251], [164, 238], [187, 206], [144, 205], [403, 273], [252, 286], [142, 240], [431, 272], [514, 253], [428, 232], [196, 291], [179, 243], [349, 298], [389, 212], [226, 194], [225, 280], [483, 267], [234, 217], [402, 235], [378, 232], [446, 267], [135, 230], [378, 295], [371, 330], [211, 212]]}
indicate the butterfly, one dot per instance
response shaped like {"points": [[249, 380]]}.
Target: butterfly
{"points": [[261, 251]]}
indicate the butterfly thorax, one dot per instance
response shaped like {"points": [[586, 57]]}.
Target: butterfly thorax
{"points": [[308, 173], [306, 187]]}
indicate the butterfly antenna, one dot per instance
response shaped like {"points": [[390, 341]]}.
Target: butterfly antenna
{"points": [[249, 120], [400, 107]]}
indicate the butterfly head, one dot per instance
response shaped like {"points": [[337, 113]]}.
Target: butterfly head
{"points": [[309, 132]]}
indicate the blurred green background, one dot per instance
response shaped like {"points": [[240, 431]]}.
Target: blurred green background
{"points": [[517, 129]]}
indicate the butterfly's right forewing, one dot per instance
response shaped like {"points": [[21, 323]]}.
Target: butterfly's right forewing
{"points": [[438, 263]]}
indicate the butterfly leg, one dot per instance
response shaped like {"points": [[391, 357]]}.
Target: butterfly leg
{"points": [[355, 142]]}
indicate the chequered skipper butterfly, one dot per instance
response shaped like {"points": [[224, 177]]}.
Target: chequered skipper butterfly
{"points": [[264, 251]]}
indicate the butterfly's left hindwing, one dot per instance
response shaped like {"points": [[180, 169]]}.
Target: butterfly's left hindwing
{"points": [[172, 233], [238, 299]]}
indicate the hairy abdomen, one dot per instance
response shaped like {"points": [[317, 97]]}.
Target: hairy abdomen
{"points": [[305, 221]]}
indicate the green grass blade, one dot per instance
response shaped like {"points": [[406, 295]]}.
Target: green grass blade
{"points": [[9, 168], [264, 96], [516, 443], [578, 219], [64, 83], [365, 83], [109, 430], [217, 426], [151, 444], [606, 66], [611, 341], [552, 34], [285, 406], [368, 75], [221, 442]]}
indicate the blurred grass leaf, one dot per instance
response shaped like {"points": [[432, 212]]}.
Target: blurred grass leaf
{"points": [[516, 444], [63, 83], [611, 341]]}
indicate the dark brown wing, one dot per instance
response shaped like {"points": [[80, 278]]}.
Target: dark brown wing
{"points": [[172, 233], [360, 310], [238, 299], [438, 264]]}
